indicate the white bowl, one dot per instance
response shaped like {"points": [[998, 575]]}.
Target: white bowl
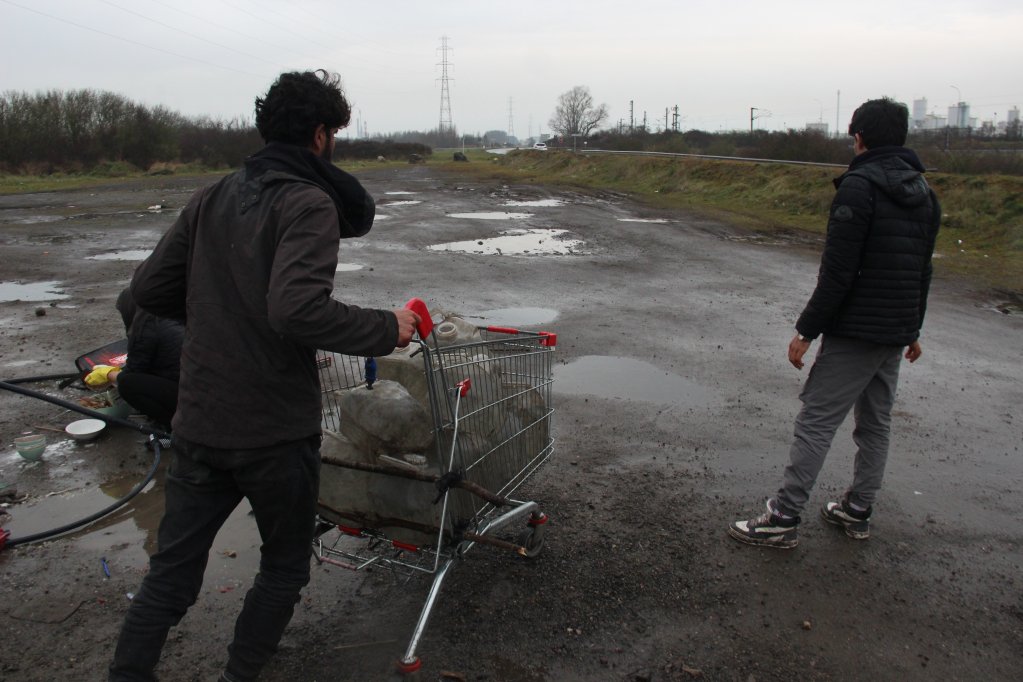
{"points": [[85, 429]]}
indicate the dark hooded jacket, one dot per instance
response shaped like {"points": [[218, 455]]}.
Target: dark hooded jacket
{"points": [[154, 343], [250, 266], [875, 272]]}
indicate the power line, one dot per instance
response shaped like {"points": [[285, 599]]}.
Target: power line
{"points": [[133, 42], [225, 28], [277, 25], [187, 33]]}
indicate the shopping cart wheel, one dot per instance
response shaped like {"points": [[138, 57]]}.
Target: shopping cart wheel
{"points": [[531, 540], [408, 668]]}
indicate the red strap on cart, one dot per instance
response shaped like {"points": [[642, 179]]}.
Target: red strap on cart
{"points": [[408, 547], [348, 530]]}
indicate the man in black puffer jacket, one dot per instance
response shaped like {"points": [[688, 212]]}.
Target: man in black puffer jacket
{"points": [[869, 304]]}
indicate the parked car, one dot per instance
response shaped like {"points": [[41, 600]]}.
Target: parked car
{"points": [[542, 146]]}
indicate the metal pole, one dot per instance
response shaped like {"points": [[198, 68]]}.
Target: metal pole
{"points": [[838, 102]]}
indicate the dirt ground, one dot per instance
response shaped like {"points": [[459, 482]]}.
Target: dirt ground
{"points": [[674, 406]]}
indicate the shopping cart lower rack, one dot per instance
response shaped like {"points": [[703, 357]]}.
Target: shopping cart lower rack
{"points": [[424, 448]]}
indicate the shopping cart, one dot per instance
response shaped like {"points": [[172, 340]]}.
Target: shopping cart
{"points": [[488, 402]]}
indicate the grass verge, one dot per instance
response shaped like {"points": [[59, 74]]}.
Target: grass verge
{"points": [[981, 237]]}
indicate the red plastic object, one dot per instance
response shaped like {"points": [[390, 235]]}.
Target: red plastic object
{"points": [[114, 354], [407, 546], [503, 330], [549, 339], [348, 530], [537, 521], [4, 534], [418, 306], [463, 386], [409, 668]]}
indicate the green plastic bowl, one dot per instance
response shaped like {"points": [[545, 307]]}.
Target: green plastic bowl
{"points": [[30, 447]]}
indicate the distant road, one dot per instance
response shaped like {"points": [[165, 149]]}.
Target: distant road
{"points": [[719, 158], [505, 150]]}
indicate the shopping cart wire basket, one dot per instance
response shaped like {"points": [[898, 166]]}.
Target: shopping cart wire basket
{"points": [[485, 399]]}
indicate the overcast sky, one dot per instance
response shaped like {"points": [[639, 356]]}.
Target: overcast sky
{"points": [[789, 59]]}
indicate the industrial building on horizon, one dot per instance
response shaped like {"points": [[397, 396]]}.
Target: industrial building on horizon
{"points": [[958, 116]]}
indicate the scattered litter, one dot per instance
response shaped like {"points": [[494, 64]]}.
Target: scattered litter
{"points": [[129, 595], [225, 588], [106, 567], [230, 553], [807, 625], [917, 492], [450, 675]]}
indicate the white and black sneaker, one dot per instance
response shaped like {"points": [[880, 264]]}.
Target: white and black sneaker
{"points": [[767, 530], [856, 523]]}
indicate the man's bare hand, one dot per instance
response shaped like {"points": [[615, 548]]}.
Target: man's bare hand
{"points": [[914, 351], [797, 349], [408, 321]]}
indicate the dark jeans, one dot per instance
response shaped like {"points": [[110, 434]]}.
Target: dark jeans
{"points": [[153, 396], [203, 487]]}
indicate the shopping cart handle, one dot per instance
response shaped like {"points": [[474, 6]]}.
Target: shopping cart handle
{"points": [[463, 386], [549, 339], [418, 306]]}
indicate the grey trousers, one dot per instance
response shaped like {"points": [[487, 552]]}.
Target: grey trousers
{"points": [[847, 374]]}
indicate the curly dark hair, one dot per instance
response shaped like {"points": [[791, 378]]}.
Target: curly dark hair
{"points": [[881, 123], [297, 103]]}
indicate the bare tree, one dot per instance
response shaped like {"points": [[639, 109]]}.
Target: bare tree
{"points": [[576, 114]]}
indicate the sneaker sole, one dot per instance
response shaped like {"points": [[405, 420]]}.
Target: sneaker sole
{"points": [[759, 542], [854, 534]]}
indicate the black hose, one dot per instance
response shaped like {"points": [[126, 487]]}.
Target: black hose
{"points": [[45, 377], [142, 428], [154, 440], [74, 525]]}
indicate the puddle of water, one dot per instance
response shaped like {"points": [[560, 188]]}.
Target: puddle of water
{"points": [[628, 379], [33, 291], [536, 202], [492, 215], [538, 242], [128, 535], [348, 267], [516, 317], [642, 220], [138, 254], [401, 192], [408, 202], [45, 513]]}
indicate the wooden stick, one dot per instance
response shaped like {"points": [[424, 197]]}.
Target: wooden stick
{"points": [[48, 428], [469, 486]]}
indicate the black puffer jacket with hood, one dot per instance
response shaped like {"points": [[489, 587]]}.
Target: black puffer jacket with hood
{"points": [[875, 272]]}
